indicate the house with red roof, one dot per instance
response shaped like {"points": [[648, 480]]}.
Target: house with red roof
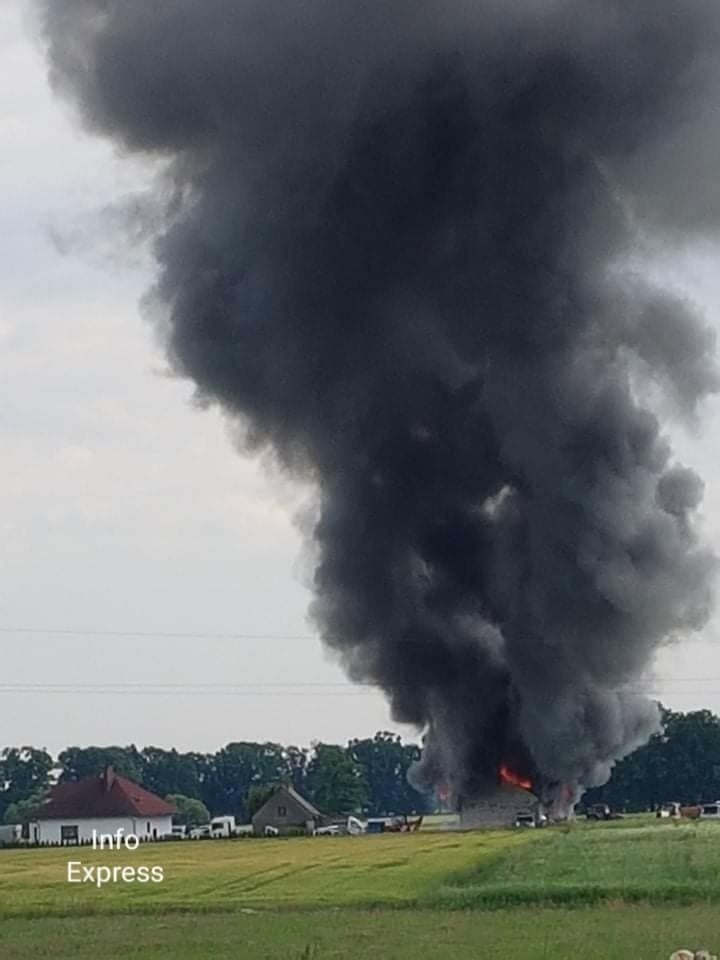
{"points": [[75, 812]]}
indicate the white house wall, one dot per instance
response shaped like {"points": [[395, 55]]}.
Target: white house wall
{"points": [[145, 828]]}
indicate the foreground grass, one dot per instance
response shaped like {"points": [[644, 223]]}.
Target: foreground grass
{"points": [[599, 933], [216, 876], [655, 862], [633, 862], [637, 889]]}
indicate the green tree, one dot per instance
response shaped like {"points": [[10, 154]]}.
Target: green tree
{"points": [[297, 762], [335, 780], [385, 761], [258, 797], [236, 768], [22, 811], [191, 812], [169, 771], [679, 763], [80, 762], [24, 775]]}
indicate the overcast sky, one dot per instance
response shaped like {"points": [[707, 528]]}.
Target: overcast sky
{"points": [[135, 540]]}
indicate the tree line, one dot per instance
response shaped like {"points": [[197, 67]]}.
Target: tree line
{"points": [[680, 763], [367, 776]]}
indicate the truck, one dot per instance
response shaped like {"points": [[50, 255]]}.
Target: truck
{"points": [[223, 827], [228, 827]]}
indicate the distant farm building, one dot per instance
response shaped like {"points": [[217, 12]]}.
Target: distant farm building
{"points": [[497, 808], [285, 811], [105, 804]]}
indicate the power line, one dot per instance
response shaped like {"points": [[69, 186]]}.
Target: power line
{"points": [[314, 688], [184, 691], [144, 684], [308, 688], [159, 634], [189, 634]]}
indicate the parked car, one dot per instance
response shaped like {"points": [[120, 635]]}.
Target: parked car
{"points": [[525, 820], [375, 825], [710, 811], [333, 830], [601, 811], [179, 831], [199, 833]]}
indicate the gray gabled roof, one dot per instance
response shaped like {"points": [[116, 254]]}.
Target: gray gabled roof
{"points": [[302, 801], [283, 788]]}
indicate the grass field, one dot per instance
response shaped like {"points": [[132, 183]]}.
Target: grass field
{"points": [[633, 889], [213, 876]]}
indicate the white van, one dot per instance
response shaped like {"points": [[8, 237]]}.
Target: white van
{"points": [[710, 811]]}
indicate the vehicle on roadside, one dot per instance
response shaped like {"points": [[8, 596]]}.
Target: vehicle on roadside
{"points": [[333, 830], [200, 833], [356, 827], [375, 825], [710, 811], [10, 834], [601, 811], [223, 827]]}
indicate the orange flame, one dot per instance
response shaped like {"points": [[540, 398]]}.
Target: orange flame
{"points": [[514, 779]]}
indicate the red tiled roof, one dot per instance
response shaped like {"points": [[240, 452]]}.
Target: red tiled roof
{"points": [[107, 795]]}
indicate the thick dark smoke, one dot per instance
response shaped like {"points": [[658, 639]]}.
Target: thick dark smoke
{"points": [[395, 247]]}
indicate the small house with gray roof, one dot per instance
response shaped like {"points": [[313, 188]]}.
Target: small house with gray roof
{"points": [[286, 811]]}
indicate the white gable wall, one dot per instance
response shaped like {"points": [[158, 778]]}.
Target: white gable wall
{"points": [[145, 828]]}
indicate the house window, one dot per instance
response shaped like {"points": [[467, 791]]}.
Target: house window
{"points": [[282, 811], [148, 827], [69, 834]]}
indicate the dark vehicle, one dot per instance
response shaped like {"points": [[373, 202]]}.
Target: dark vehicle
{"points": [[601, 811]]}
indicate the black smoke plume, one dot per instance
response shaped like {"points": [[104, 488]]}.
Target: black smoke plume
{"points": [[396, 248]]}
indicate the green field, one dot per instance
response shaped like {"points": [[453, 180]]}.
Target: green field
{"points": [[636, 888]]}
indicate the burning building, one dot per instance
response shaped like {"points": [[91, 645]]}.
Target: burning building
{"points": [[499, 807], [393, 244]]}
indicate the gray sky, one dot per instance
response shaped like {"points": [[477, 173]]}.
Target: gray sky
{"points": [[124, 510]]}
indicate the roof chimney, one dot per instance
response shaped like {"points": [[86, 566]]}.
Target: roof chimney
{"points": [[108, 777]]}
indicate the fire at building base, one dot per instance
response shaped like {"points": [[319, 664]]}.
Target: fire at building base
{"points": [[516, 801]]}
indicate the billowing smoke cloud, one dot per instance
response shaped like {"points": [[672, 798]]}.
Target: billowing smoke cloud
{"points": [[395, 247]]}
